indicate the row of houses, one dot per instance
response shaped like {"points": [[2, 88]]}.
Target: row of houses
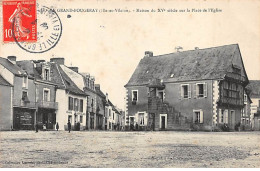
{"points": [[201, 89], [45, 93]]}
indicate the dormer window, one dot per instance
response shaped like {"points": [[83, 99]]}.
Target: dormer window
{"points": [[25, 82], [46, 74]]}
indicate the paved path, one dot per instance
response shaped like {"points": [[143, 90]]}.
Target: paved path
{"points": [[129, 149]]}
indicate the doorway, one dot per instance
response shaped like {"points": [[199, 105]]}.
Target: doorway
{"points": [[163, 121]]}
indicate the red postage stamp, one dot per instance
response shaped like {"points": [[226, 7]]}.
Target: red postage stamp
{"points": [[19, 21]]}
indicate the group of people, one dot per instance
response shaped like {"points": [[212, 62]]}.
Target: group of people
{"points": [[56, 126]]}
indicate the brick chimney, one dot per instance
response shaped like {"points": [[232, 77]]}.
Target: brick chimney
{"points": [[12, 59], [148, 54], [59, 61], [76, 69]]}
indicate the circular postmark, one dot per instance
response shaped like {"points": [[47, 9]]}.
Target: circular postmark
{"points": [[49, 30]]}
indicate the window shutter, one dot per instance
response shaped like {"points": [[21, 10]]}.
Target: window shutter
{"points": [[205, 89], [201, 116], [180, 92], [189, 91], [219, 116], [226, 116], [194, 117], [69, 104], [195, 90]]}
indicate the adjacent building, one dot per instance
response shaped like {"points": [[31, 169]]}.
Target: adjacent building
{"points": [[200, 89], [46, 93], [254, 92]]}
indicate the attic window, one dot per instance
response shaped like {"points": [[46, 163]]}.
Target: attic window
{"points": [[172, 75]]}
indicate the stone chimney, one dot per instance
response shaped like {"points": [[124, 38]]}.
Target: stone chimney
{"points": [[106, 97], [59, 61], [76, 69], [12, 59], [148, 54], [97, 86]]}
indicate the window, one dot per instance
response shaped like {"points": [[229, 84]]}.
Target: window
{"points": [[226, 116], [25, 82], [70, 103], [81, 119], [76, 104], [221, 116], [160, 95], [134, 95], [113, 115], [46, 74], [46, 95], [81, 105], [185, 91], [200, 90], [25, 96], [197, 116], [109, 112], [141, 119]]}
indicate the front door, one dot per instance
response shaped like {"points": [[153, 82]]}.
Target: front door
{"points": [[163, 121], [132, 122]]}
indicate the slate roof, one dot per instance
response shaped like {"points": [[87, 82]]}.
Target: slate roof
{"points": [[57, 75], [11, 67], [4, 82], [69, 84], [200, 64], [254, 88]]}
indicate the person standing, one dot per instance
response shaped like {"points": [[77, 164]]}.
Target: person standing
{"points": [[36, 127], [69, 126], [57, 126]]}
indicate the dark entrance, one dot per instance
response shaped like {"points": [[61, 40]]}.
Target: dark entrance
{"points": [[23, 119], [47, 117], [163, 122], [91, 120]]}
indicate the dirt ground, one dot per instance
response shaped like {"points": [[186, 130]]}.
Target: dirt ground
{"points": [[129, 149]]}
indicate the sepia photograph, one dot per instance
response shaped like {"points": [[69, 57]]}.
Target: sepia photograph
{"points": [[129, 84]]}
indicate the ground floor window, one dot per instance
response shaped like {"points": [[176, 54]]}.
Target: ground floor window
{"points": [[197, 116], [141, 119]]}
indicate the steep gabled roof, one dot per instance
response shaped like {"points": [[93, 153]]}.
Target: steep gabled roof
{"points": [[254, 88], [69, 84], [28, 66], [4, 82], [200, 64], [11, 67]]}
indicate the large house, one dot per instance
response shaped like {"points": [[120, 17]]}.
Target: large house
{"points": [[18, 109], [200, 89]]}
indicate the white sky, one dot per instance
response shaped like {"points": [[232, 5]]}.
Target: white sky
{"points": [[110, 45]]}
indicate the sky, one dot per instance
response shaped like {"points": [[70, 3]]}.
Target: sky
{"points": [[109, 46]]}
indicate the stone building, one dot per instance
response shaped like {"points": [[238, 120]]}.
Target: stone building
{"points": [[199, 89]]}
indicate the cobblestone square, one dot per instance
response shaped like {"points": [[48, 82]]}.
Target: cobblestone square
{"points": [[129, 149]]}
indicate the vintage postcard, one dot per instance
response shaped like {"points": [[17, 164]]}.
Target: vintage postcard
{"points": [[129, 84]]}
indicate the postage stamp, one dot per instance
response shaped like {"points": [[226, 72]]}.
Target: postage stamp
{"points": [[19, 21], [34, 28]]}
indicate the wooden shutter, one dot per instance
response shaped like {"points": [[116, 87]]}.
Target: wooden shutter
{"points": [[189, 91], [219, 116], [180, 92], [195, 90], [201, 116], [205, 89]]}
